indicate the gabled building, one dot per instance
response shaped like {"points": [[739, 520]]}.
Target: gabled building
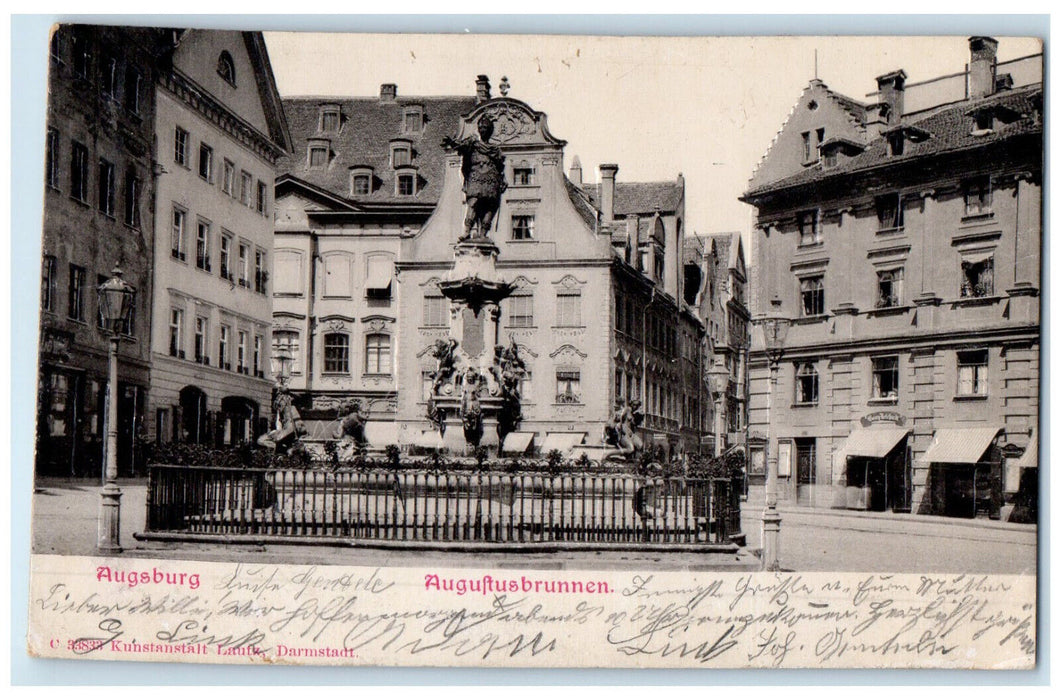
{"points": [[902, 237], [97, 215], [219, 131]]}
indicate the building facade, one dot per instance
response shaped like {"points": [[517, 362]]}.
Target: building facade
{"points": [[902, 238], [97, 215], [219, 130]]}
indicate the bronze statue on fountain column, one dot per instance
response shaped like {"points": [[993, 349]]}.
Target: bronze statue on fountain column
{"points": [[483, 168], [445, 354], [621, 431], [510, 369]]}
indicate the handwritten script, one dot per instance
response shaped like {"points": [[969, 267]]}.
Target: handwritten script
{"points": [[268, 613]]}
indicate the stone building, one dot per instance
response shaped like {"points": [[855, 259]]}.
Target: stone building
{"points": [[219, 129], [97, 214], [902, 237]]}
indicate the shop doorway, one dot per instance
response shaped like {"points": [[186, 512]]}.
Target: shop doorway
{"points": [[193, 424], [239, 417], [880, 483], [806, 466]]}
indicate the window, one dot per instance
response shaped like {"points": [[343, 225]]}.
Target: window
{"points": [[286, 342], [51, 159], [830, 157], [244, 265], [261, 276], [260, 198], [132, 90], [76, 305], [180, 146], [889, 212], [806, 384], [206, 162], [176, 332], [807, 147], [657, 264], [978, 277], [812, 292], [228, 177], [412, 120], [48, 279], [177, 234], [336, 353], [201, 340], [522, 227], [889, 288], [105, 187], [241, 352], [885, 378], [401, 155], [978, 196], [523, 174], [361, 184], [79, 172], [330, 119], [521, 310], [405, 185], [377, 354], [202, 245], [379, 278], [569, 308], [972, 373], [568, 386], [318, 156], [896, 143], [257, 364], [109, 78], [436, 311], [820, 133], [82, 55], [132, 198], [226, 68], [223, 360], [226, 256], [245, 184], [810, 229]]}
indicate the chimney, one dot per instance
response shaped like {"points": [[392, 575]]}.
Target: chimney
{"points": [[983, 52], [482, 88], [576, 172], [388, 92], [891, 88], [607, 191]]}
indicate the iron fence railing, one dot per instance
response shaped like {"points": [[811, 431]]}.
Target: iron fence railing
{"points": [[407, 505]]}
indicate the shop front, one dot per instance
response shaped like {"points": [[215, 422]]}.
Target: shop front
{"points": [[964, 473], [875, 461]]}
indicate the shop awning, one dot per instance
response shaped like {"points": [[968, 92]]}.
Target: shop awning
{"points": [[379, 275], [872, 442], [962, 445], [561, 441], [1030, 458], [381, 433], [517, 443]]}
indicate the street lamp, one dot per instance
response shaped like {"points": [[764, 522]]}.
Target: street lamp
{"points": [[115, 304], [775, 327], [718, 380], [282, 365]]}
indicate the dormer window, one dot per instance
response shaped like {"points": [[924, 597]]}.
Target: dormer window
{"points": [[405, 183], [983, 123], [401, 154], [360, 182], [226, 68], [896, 143], [330, 119], [412, 119], [319, 152]]}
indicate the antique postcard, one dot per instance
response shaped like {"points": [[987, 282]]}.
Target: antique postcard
{"points": [[538, 351]]}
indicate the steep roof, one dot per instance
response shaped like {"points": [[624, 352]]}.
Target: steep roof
{"points": [[949, 128], [367, 128], [640, 197]]}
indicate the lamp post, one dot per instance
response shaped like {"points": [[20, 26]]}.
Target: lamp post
{"points": [[115, 303], [775, 328], [282, 365], [718, 380]]}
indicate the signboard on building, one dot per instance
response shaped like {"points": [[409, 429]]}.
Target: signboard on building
{"points": [[890, 417]]}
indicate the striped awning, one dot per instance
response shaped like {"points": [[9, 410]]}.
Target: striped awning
{"points": [[381, 433], [961, 445], [872, 442], [1030, 458], [517, 443], [561, 441]]}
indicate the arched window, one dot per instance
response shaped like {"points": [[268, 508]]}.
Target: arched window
{"points": [[806, 384], [377, 353], [226, 68]]}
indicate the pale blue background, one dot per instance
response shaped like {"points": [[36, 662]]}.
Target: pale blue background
{"points": [[28, 60]]}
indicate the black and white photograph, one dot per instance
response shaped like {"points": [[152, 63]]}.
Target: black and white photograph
{"points": [[538, 333]]}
